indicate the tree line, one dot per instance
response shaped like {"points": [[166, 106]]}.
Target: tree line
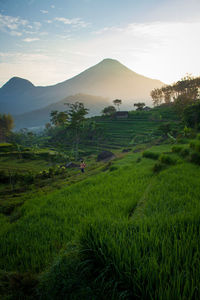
{"points": [[184, 96], [111, 110], [185, 90]]}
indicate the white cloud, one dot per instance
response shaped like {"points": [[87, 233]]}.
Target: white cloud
{"points": [[29, 32], [19, 57], [43, 33], [44, 11], [106, 29], [65, 37], [52, 6], [9, 23], [29, 40], [37, 25], [16, 26], [15, 33], [76, 22]]}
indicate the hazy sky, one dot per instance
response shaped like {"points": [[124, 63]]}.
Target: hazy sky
{"points": [[50, 41]]}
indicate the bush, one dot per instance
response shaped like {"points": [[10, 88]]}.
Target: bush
{"points": [[185, 152], [28, 178], [4, 178], [6, 147], [113, 168], [166, 159], [181, 151], [151, 155], [192, 145], [51, 172], [195, 145], [195, 158], [177, 149], [44, 155], [45, 174], [158, 167]]}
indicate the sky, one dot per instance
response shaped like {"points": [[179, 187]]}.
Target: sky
{"points": [[50, 41]]}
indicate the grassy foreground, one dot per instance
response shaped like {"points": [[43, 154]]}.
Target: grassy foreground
{"points": [[125, 233]]}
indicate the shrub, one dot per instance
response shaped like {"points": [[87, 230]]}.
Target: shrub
{"points": [[4, 178], [195, 145], [185, 152], [45, 174], [192, 145], [44, 155], [51, 172], [158, 167], [151, 155], [16, 177], [177, 149], [28, 155], [195, 158], [6, 147], [113, 168], [166, 159], [138, 159], [29, 178], [107, 166]]}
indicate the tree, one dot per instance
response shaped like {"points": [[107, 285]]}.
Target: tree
{"points": [[181, 102], [77, 113], [182, 92], [6, 125], [168, 93], [157, 96], [59, 118], [117, 102], [139, 105], [191, 115], [109, 110]]}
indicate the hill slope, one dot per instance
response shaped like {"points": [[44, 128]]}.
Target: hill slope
{"points": [[136, 233], [109, 78], [41, 116]]}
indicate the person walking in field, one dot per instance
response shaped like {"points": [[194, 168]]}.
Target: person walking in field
{"points": [[82, 166]]}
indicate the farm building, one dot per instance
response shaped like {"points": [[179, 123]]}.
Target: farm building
{"points": [[121, 115]]}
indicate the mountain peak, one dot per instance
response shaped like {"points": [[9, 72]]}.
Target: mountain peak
{"points": [[109, 61], [17, 83], [113, 65]]}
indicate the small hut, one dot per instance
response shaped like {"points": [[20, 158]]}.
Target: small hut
{"points": [[147, 108], [121, 115]]}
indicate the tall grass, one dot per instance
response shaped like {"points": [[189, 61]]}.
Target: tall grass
{"points": [[156, 255], [153, 260], [125, 234], [49, 222]]}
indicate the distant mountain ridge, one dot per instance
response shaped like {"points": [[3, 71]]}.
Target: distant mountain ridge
{"points": [[108, 79], [39, 117]]}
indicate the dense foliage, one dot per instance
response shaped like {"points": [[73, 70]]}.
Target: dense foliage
{"points": [[6, 125]]}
